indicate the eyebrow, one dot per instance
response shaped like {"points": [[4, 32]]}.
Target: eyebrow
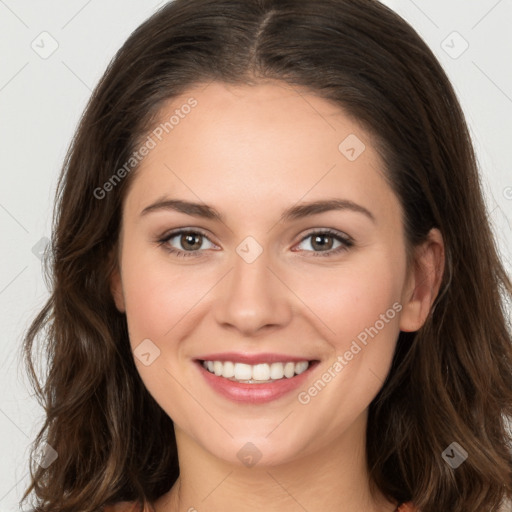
{"points": [[295, 212]]}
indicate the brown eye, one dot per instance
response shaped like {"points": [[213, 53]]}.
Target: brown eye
{"points": [[319, 242], [324, 242], [188, 242]]}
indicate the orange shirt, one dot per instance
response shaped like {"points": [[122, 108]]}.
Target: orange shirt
{"points": [[127, 506], [407, 507]]}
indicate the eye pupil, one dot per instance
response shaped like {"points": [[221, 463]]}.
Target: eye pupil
{"points": [[320, 245]]}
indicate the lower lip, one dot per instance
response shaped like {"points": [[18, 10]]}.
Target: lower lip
{"points": [[254, 393]]}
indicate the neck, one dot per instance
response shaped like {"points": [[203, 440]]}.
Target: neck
{"points": [[334, 478]]}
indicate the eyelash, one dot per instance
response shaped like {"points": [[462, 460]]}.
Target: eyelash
{"points": [[346, 242]]}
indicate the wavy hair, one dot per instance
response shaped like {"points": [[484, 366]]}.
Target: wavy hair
{"points": [[450, 381]]}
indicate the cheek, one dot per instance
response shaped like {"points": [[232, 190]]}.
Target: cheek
{"points": [[349, 300], [343, 300], [362, 311], [158, 294]]}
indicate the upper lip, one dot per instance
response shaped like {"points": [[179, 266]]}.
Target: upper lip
{"points": [[252, 359]]}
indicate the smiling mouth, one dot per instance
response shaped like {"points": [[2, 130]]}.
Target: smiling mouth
{"points": [[263, 373]]}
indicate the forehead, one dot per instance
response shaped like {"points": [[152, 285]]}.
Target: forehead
{"points": [[244, 143]]}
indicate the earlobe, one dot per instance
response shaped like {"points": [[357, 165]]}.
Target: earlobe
{"points": [[423, 283], [116, 289]]}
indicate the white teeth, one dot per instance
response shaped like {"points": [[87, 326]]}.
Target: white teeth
{"points": [[276, 371], [243, 371], [217, 368], [255, 373], [289, 370], [228, 370], [261, 372], [301, 367]]}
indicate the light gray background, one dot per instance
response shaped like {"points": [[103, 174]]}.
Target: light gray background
{"points": [[41, 100]]}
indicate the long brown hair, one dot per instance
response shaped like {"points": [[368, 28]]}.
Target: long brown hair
{"points": [[451, 381]]}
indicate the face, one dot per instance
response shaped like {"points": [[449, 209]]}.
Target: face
{"points": [[304, 303]]}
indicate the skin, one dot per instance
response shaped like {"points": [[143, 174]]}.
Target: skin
{"points": [[251, 152]]}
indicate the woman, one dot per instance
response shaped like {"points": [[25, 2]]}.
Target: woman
{"points": [[274, 282]]}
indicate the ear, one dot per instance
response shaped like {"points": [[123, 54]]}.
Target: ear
{"points": [[423, 283], [116, 286]]}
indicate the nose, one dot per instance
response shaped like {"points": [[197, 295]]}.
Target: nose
{"points": [[252, 298]]}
